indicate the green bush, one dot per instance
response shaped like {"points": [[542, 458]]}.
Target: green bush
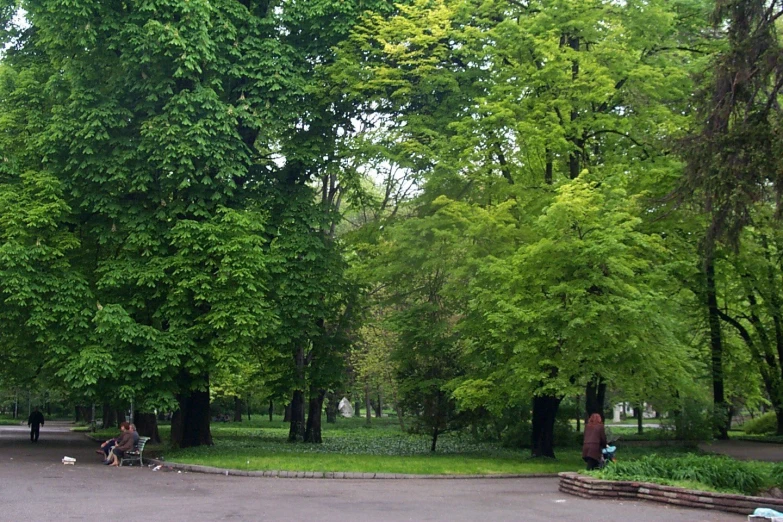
{"points": [[720, 473], [564, 433], [777, 475], [767, 423], [517, 435], [692, 421]]}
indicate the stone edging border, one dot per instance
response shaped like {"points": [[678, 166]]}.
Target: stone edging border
{"points": [[193, 468], [589, 487]]}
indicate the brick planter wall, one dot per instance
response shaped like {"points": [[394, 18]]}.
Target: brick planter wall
{"points": [[589, 487]]}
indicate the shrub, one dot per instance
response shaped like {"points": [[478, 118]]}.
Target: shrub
{"points": [[776, 474], [693, 421], [721, 473], [517, 435], [767, 423]]}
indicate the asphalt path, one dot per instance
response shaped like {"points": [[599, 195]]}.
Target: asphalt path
{"points": [[36, 486]]}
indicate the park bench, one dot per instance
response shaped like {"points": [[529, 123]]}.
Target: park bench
{"points": [[136, 454]]}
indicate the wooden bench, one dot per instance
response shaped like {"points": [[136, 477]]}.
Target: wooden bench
{"points": [[136, 454]]}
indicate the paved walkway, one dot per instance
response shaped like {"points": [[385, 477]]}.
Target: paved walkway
{"points": [[35, 485], [745, 450]]}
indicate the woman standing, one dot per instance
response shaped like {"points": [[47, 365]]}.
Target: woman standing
{"points": [[594, 442]]}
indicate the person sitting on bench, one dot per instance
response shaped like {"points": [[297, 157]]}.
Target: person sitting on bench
{"points": [[124, 443]]}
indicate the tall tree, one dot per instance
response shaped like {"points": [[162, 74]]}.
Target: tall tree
{"points": [[168, 130], [733, 160]]}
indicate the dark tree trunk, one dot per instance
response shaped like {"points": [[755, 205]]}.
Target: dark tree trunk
{"points": [[331, 408], [779, 416], [379, 408], [147, 426], [237, 409], [109, 417], [313, 431], [595, 396], [297, 428], [247, 403], [286, 413], [548, 169], [272, 410], [190, 423], [639, 416], [357, 409], [716, 345], [435, 433], [367, 405], [83, 413], [574, 156], [578, 414], [543, 436]]}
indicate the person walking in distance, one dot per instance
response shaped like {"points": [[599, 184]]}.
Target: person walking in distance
{"points": [[35, 421]]}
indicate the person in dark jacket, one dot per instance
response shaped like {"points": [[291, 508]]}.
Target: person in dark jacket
{"points": [[35, 421], [594, 442], [124, 443]]}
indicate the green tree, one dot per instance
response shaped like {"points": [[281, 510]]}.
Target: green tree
{"points": [[164, 134], [732, 159], [585, 298]]}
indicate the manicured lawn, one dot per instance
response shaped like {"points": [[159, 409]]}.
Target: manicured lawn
{"points": [[350, 446]]}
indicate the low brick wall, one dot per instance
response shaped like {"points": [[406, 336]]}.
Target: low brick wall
{"points": [[589, 487]]}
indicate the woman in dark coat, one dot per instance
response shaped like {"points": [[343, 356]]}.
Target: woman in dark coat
{"points": [[595, 441]]}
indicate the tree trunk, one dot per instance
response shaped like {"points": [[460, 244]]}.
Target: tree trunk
{"points": [[237, 409], [578, 414], [286, 413], [313, 431], [147, 426], [367, 405], [379, 409], [639, 415], [779, 417], [190, 423], [548, 168], [331, 408], [357, 409], [296, 430], [83, 413], [595, 396], [435, 433], [109, 416], [543, 435], [716, 345]]}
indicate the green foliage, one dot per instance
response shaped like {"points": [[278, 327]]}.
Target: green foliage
{"points": [[721, 473], [762, 425], [692, 420], [351, 446]]}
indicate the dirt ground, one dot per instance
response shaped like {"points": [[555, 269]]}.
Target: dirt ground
{"points": [[35, 485]]}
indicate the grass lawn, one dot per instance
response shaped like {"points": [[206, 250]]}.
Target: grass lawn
{"points": [[7, 420], [350, 446]]}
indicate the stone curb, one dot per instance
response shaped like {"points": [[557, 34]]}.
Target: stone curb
{"points": [[589, 487], [193, 468]]}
